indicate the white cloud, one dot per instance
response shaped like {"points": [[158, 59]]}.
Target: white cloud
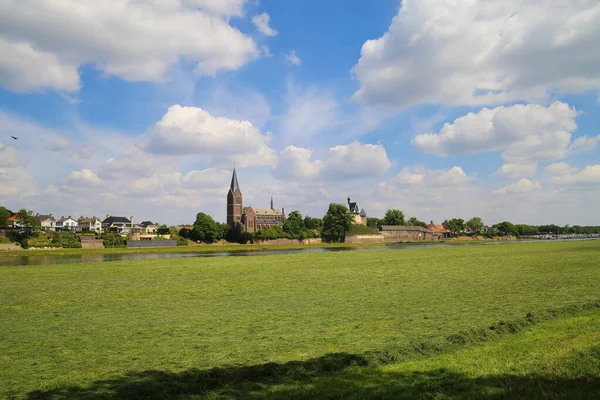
{"points": [[292, 58], [420, 176], [566, 174], [561, 168], [481, 52], [356, 161], [353, 161], [85, 177], [261, 22], [192, 130], [295, 163], [8, 156], [585, 144], [133, 40], [266, 51], [523, 186], [525, 133], [517, 170], [228, 8]]}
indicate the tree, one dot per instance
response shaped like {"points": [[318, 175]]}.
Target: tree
{"points": [[527, 230], [413, 221], [205, 229], [506, 228], [373, 222], [81, 218], [393, 217], [312, 223], [454, 225], [475, 224], [337, 222], [223, 231], [26, 218], [4, 216], [294, 225]]}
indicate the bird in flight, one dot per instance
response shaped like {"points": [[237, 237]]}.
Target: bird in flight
{"points": [[16, 138]]}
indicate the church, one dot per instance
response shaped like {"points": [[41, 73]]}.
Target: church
{"points": [[252, 219]]}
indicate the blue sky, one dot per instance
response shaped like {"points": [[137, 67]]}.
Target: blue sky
{"points": [[440, 108]]}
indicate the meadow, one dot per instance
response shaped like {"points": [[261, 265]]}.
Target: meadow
{"points": [[495, 321]]}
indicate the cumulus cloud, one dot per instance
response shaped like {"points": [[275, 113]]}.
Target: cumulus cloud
{"points": [[85, 177], [293, 58], [8, 156], [192, 130], [261, 22], [133, 40], [585, 144], [517, 170], [481, 52], [523, 186], [564, 173], [525, 133], [347, 162]]}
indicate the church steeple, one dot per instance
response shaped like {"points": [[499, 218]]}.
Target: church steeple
{"points": [[235, 207], [234, 182]]}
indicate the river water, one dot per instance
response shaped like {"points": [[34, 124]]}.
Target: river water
{"points": [[79, 258]]}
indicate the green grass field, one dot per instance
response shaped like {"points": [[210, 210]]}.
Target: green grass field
{"points": [[517, 320]]}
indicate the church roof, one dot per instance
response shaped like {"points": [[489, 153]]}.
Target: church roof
{"points": [[234, 182], [266, 211]]}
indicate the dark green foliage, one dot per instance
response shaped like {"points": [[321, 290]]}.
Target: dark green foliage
{"points": [[475, 224], [163, 230], [112, 240], [413, 221], [313, 223], [337, 222], [276, 232], [222, 231], [237, 235], [393, 217], [506, 229], [205, 229], [454, 225], [294, 225], [373, 222], [65, 240], [4, 216], [185, 233], [527, 230]]}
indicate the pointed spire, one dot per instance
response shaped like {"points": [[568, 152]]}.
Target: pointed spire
{"points": [[234, 182], [272, 203]]}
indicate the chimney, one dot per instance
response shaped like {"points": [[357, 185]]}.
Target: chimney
{"points": [[283, 211], [131, 219], [107, 215]]}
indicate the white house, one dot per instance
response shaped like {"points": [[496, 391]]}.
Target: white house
{"points": [[66, 223], [46, 222], [92, 224]]}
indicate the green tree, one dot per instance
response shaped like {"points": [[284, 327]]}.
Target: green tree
{"points": [[337, 222], [506, 228], [475, 224], [26, 218], [393, 217], [312, 223], [205, 229], [454, 225], [4, 216], [413, 221], [294, 225], [223, 231], [373, 222]]}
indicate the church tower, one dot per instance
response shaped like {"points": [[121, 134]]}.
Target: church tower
{"points": [[234, 202]]}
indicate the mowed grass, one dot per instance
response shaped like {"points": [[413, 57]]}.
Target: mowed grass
{"points": [[103, 326]]}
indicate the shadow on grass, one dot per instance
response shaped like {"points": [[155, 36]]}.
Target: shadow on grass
{"points": [[332, 376]]}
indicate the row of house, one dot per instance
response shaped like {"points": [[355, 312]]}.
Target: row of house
{"points": [[111, 223]]}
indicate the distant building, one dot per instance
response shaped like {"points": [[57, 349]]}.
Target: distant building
{"points": [[45, 222], [92, 224], [148, 227], [252, 219], [256, 219], [438, 229], [67, 223], [358, 214], [120, 224]]}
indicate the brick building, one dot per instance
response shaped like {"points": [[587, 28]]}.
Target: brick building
{"points": [[253, 219]]}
